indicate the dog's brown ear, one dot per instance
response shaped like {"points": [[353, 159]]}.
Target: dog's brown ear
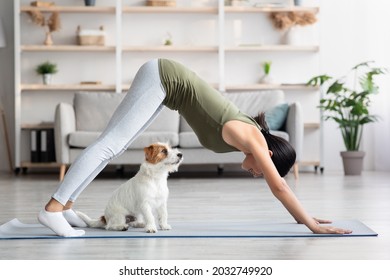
{"points": [[148, 152]]}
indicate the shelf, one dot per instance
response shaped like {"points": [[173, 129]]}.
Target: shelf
{"points": [[70, 87], [77, 48], [170, 48], [113, 14], [70, 9], [66, 48], [150, 9], [28, 164], [270, 86], [243, 48], [231, 9], [43, 125]]}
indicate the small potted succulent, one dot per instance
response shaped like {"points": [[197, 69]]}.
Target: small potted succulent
{"points": [[266, 78], [46, 69]]}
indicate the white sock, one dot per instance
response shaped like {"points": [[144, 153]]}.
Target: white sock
{"points": [[57, 223], [73, 219]]}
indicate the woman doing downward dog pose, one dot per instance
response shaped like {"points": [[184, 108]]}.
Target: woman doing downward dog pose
{"points": [[218, 123]]}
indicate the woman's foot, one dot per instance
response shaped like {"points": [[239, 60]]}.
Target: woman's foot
{"points": [[73, 219], [57, 223]]}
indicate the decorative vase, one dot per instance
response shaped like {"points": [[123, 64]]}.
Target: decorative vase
{"points": [[46, 79], [48, 40], [291, 36], [267, 79], [89, 2], [353, 162]]}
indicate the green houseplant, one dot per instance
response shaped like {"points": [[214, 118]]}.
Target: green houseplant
{"points": [[46, 69], [346, 101], [266, 78]]}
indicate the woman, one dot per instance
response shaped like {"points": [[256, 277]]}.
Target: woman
{"points": [[219, 125]]}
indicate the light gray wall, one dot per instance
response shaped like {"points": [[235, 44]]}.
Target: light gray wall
{"points": [[353, 32]]}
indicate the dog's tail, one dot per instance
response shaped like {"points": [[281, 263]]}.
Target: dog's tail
{"points": [[93, 223]]}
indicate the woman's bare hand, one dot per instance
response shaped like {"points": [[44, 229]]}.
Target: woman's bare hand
{"points": [[331, 230], [327, 229]]}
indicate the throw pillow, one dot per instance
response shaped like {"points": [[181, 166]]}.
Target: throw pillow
{"points": [[276, 116]]}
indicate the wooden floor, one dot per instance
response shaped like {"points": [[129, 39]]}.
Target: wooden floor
{"points": [[212, 198]]}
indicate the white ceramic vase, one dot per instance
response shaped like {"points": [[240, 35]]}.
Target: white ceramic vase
{"points": [[291, 36], [267, 79]]}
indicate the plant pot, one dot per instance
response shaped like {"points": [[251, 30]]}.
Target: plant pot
{"points": [[353, 162], [46, 78], [89, 2], [267, 79]]}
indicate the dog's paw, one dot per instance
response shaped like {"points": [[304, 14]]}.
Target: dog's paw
{"points": [[165, 227], [151, 230]]}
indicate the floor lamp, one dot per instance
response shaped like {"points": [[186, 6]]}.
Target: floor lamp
{"points": [[3, 45]]}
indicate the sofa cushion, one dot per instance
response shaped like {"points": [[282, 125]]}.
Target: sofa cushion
{"points": [[93, 111], [276, 116], [188, 139], [281, 134], [254, 102], [82, 139]]}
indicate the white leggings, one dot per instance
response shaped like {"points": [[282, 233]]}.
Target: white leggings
{"points": [[140, 106]]}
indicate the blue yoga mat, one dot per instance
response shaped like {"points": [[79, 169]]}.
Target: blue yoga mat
{"points": [[15, 229]]}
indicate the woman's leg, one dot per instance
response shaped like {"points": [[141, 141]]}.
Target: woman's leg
{"points": [[138, 109]]}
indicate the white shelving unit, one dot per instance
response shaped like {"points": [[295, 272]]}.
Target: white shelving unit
{"points": [[116, 12]]}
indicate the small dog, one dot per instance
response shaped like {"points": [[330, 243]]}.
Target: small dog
{"points": [[134, 202]]}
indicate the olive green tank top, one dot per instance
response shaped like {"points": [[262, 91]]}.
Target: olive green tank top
{"points": [[203, 107]]}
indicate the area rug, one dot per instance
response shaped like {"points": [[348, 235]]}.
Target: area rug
{"points": [[15, 229]]}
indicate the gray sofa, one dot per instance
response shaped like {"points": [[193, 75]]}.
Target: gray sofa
{"points": [[79, 124]]}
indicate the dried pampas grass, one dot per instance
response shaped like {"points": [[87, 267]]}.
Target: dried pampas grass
{"points": [[53, 23], [285, 20]]}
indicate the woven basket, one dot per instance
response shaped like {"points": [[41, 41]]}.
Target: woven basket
{"points": [[91, 40]]}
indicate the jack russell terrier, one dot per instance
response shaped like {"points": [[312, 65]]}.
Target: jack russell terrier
{"points": [[134, 202]]}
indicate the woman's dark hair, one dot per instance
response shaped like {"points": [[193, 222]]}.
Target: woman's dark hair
{"points": [[284, 155]]}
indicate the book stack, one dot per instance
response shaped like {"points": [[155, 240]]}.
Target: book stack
{"points": [[42, 145]]}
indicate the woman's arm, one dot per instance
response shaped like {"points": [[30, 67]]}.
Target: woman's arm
{"points": [[249, 140], [285, 195]]}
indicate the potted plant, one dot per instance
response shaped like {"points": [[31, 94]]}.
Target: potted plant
{"points": [[51, 24], [349, 108], [46, 69], [266, 78], [287, 23]]}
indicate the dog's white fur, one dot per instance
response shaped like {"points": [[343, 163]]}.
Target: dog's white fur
{"points": [[135, 201]]}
